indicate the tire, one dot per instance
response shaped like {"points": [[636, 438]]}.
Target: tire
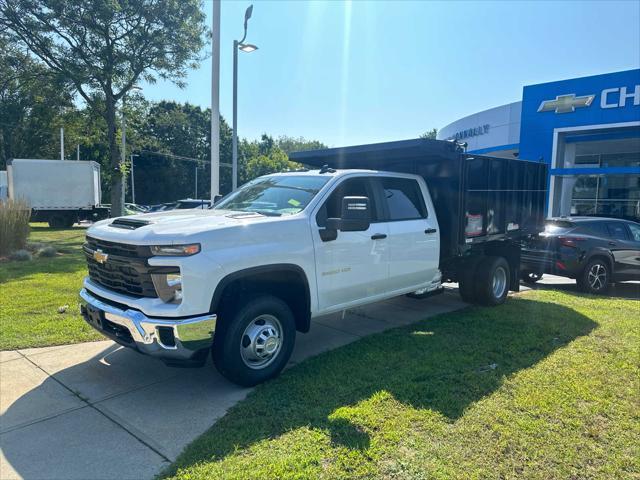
{"points": [[492, 281], [61, 220], [467, 283], [254, 325], [596, 277], [530, 277]]}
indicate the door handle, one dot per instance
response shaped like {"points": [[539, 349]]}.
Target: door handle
{"points": [[378, 236], [430, 230], [613, 244]]}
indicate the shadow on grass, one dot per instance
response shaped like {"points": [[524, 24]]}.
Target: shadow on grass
{"points": [[444, 364]]}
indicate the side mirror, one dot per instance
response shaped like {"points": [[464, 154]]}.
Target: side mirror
{"points": [[355, 216]]}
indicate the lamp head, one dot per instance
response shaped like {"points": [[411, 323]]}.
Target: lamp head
{"points": [[247, 47]]}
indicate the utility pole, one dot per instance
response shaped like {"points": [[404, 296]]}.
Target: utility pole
{"points": [[215, 102], [196, 189], [61, 143], [78, 153]]}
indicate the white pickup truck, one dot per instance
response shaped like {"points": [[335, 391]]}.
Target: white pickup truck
{"points": [[240, 279]]}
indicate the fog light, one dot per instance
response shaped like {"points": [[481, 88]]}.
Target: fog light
{"points": [[168, 286]]}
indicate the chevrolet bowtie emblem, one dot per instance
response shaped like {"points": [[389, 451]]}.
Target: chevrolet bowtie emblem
{"points": [[99, 256], [566, 103]]}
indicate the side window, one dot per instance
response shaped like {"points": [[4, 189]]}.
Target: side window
{"points": [[617, 231], [352, 187], [635, 231], [598, 229], [404, 199]]}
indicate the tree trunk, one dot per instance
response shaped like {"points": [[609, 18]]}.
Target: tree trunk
{"points": [[117, 208]]}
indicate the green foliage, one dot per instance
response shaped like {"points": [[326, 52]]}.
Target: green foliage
{"points": [[560, 400], [274, 161], [430, 134], [14, 225], [104, 47], [32, 102]]}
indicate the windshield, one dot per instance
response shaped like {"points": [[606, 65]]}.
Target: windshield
{"points": [[275, 196]]}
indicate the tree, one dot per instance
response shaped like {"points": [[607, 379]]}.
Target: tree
{"points": [[103, 47], [290, 144], [172, 139], [430, 134], [32, 102]]}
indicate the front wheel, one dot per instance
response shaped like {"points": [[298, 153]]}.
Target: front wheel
{"points": [[596, 277], [254, 343]]}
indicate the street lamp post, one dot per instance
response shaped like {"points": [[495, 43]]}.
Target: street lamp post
{"points": [[248, 48]]}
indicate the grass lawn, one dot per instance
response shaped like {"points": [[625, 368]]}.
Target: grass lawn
{"points": [[32, 291], [545, 387]]}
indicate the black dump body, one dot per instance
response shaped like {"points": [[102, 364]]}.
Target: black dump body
{"points": [[478, 199]]}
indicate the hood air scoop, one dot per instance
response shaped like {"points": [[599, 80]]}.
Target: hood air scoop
{"points": [[128, 223]]}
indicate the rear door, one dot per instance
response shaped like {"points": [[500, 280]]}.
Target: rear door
{"points": [[634, 258], [625, 252], [353, 266], [414, 247]]}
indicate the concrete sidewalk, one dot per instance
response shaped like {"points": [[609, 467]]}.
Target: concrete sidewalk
{"points": [[99, 411]]}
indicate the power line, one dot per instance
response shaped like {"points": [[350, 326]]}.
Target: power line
{"points": [[181, 157]]}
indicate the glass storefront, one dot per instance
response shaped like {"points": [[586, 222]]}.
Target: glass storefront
{"points": [[606, 195]]}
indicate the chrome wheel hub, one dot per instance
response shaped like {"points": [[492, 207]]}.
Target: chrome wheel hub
{"points": [[597, 276], [261, 341], [499, 283]]}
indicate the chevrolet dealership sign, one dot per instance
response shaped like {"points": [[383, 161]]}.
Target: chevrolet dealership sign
{"points": [[569, 102]]}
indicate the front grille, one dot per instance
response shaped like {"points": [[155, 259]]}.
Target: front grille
{"points": [[125, 270]]}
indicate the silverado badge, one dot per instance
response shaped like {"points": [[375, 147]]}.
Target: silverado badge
{"points": [[99, 256]]}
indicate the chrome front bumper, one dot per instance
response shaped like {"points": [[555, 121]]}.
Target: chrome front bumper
{"points": [[173, 340]]}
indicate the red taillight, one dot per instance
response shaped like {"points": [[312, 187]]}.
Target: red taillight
{"points": [[570, 241]]}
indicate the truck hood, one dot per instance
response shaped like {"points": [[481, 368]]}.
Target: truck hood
{"points": [[172, 226]]}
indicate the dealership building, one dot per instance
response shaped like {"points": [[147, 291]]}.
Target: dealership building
{"points": [[586, 129]]}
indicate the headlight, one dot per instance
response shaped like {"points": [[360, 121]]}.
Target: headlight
{"points": [[168, 286], [176, 250]]}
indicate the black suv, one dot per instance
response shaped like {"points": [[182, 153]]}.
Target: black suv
{"points": [[594, 251]]}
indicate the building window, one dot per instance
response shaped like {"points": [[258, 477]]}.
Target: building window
{"points": [[606, 195]]}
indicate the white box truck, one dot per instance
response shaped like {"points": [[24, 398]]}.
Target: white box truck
{"points": [[60, 192]]}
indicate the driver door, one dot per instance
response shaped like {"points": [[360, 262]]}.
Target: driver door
{"points": [[355, 265]]}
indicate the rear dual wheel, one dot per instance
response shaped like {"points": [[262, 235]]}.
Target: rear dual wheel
{"points": [[486, 282]]}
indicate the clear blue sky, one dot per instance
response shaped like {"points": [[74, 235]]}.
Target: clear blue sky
{"points": [[349, 73]]}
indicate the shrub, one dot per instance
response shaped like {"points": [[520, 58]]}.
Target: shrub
{"points": [[14, 225], [35, 246], [21, 255], [47, 252]]}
